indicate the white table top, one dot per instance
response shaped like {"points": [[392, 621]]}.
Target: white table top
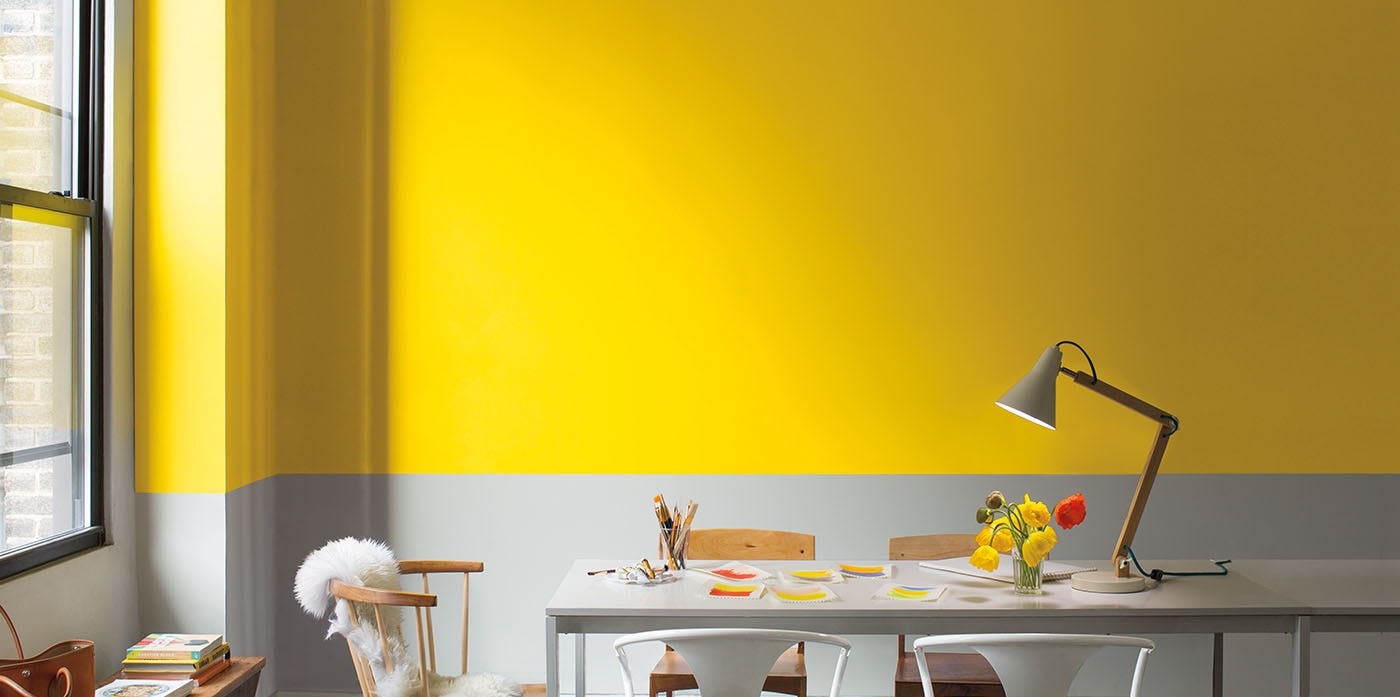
{"points": [[582, 596], [1331, 586], [1290, 596]]}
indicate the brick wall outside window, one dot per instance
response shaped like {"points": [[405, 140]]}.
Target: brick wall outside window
{"points": [[27, 159]]}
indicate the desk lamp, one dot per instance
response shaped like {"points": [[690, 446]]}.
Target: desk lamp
{"points": [[1033, 398]]}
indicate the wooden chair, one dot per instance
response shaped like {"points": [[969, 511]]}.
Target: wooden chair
{"points": [[789, 673], [384, 609], [953, 674]]}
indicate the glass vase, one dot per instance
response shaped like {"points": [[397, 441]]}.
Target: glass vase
{"points": [[1027, 577]]}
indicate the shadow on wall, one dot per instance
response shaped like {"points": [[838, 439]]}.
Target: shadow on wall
{"points": [[308, 125]]}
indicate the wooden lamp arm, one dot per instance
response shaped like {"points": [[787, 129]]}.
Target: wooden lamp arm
{"points": [[1169, 425]]}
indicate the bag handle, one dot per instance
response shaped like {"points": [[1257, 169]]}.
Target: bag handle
{"points": [[67, 683], [13, 634], [62, 671]]}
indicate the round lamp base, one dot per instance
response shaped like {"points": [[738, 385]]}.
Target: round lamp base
{"points": [[1106, 582]]}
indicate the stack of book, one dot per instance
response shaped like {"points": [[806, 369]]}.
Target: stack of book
{"points": [[146, 688], [197, 657]]}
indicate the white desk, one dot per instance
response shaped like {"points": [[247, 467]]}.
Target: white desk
{"points": [[1342, 595], [1194, 605]]}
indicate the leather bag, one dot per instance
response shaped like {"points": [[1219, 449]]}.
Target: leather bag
{"points": [[62, 670]]}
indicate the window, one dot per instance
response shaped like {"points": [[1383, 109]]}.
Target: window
{"points": [[51, 312]]}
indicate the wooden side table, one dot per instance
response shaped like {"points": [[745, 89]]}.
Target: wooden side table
{"points": [[240, 679]]}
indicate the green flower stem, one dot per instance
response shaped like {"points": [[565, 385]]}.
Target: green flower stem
{"points": [[1022, 528], [1027, 577]]}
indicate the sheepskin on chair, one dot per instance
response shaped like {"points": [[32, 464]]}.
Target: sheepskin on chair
{"points": [[372, 564]]}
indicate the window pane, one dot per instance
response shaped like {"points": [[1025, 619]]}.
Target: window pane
{"points": [[42, 381], [36, 94], [33, 501]]}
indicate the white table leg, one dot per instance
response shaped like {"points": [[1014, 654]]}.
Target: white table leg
{"points": [[551, 658], [1302, 655], [1217, 667], [580, 662]]}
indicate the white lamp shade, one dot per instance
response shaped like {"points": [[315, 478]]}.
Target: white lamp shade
{"points": [[1033, 398]]}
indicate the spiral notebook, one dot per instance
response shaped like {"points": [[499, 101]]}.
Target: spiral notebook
{"points": [[1052, 571]]}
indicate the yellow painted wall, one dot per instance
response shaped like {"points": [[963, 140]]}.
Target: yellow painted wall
{"points": [[807, 237], [178, 245], [823, 237]]}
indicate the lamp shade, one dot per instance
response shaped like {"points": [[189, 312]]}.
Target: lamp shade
{"points": [[1033, 398]]}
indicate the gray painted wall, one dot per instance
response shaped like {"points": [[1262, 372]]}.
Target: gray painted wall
{"points": [[528, 528]]}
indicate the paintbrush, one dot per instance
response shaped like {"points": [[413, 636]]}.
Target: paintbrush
{"points": [[663, 516], [667, 522]]}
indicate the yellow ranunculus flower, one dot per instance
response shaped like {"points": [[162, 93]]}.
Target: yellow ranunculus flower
{"points": [[1035, 513], [985, 558], [1002, 540], [1037, 545], [984, 536]]}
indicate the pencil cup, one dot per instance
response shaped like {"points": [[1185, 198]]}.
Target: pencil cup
{"points": [[672, 549]]}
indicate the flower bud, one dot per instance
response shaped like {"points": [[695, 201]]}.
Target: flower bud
{"points": [[984, 515], [996, 500]]}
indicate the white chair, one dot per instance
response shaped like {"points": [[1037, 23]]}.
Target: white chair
{"points": [[1035, 665], [730, 662]]}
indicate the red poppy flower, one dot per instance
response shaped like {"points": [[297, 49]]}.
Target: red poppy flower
{"points": [[1070, 512]]}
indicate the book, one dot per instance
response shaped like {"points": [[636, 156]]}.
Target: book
{"points": [[146, 688], [175, 664], [200, 676], [164, 646], [1051, 571]]}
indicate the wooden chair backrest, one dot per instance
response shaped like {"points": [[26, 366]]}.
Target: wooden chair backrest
{"points": [[375, 603], [751, 543], [937, 546], [934, 546]]}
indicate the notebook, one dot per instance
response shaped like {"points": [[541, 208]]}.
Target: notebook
{"points": [[1052, 571]]}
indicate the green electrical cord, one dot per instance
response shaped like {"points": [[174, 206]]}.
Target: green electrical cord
{"points": [[1157, 574]]}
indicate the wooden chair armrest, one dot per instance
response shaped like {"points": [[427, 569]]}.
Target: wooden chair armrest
{"points": [[376, 596], [437, 566]]}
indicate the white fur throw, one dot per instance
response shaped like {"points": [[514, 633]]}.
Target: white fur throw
{"points": [[372, 564]]}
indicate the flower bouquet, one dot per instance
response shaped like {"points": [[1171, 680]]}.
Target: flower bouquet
{"points": [[1022, 530]]}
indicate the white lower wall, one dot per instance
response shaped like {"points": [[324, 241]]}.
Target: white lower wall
{"points": [[180, 561], [528, 529]]}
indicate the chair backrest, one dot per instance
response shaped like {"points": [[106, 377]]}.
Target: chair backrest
{"points": [[731, 662], [382, 608], [750, 543], [1035, 665], [933, 546]]}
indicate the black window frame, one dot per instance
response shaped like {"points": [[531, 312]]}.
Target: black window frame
{"points": [[83, 200]]}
